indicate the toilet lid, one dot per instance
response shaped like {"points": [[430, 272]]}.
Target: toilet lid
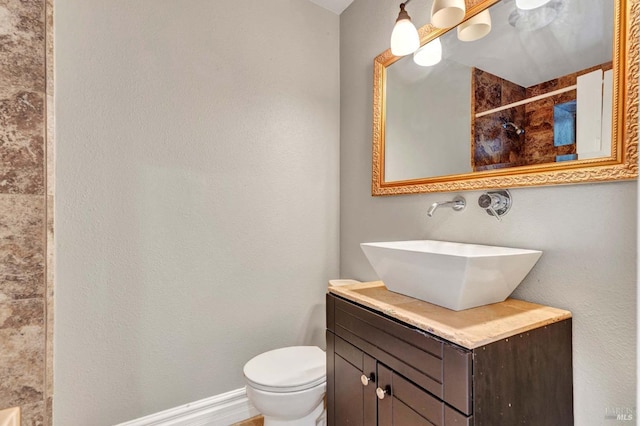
{"points": [[287, 369]]}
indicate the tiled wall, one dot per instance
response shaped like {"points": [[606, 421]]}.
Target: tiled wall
{"points": [[26, 206], [539, 117], [493, 146]]}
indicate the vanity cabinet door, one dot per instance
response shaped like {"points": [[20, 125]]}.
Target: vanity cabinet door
{"points": [[354, 384], [402, 403], [349, 394]]}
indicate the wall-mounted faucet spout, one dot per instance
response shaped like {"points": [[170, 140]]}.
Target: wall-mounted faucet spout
{"points": [[457, 204]]}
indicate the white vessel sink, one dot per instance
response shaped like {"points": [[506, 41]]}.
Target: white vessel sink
{"points": [[453, 275]]}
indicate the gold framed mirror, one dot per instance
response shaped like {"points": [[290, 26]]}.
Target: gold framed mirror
{"points": [[514, 123]]}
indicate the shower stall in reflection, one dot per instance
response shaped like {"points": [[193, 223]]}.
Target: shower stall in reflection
{"points": [[563, 119]]}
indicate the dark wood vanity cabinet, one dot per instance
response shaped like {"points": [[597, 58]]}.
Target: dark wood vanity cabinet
{"points": [[383, 372]]}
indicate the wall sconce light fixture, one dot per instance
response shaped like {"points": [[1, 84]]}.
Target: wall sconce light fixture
{"points": [[447, 13], [475, 28], [444, 14], [429, 54], [404, 37]]}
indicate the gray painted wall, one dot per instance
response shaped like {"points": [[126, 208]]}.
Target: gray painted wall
{"points": [[587, 232], [197, 196]]}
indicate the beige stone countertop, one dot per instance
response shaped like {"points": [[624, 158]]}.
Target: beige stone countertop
{"points": [[471, 328]]}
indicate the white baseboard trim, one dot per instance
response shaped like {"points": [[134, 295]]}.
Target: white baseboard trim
{"points": [[220, 410]]}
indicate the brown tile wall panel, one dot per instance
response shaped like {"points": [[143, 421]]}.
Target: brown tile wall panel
{"points": [[539, 117], [22, 143], [21, 247], [511, 92], [493, 146], [33, 414], [493, 149], [563, 81], [488, 90], [22, 94], [22, 358], [496, 147], [539, 147], [26, 206], [488, 142], [551, 85], [22, 46]]}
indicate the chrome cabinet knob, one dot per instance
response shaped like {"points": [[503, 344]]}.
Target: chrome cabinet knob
{"points": [[382, 392], [365, 380]]}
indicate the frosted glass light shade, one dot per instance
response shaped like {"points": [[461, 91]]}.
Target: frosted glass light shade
{"points": [[476, 27], [530, 4], [404, 38], [429, 54], [447, 13]]}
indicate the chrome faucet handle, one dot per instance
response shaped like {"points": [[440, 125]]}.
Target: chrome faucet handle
{"points": [[496, 203], [486, 202]]}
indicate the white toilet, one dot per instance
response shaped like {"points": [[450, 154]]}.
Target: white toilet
{"points": [[287, 385]]}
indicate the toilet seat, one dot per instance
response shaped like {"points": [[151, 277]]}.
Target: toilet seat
{"points": [[290, 369]]}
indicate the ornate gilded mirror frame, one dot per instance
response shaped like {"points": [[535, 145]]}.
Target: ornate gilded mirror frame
{"points": [[623, 163]]}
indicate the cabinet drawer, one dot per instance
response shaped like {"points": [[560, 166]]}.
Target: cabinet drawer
{"points": [[417, 338], [349, 353]]}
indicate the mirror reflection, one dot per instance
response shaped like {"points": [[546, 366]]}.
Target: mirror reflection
{"points": [[534, 88]]}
